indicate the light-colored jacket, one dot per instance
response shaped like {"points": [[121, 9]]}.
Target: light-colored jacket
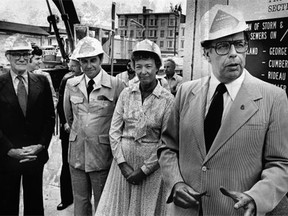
{"points": [[249, 153], [89, 147]]}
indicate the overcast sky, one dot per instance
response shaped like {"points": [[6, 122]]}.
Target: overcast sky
{"points": [[23, 11]]}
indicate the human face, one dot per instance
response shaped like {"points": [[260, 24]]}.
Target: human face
{"points": [[18, 61], [169, 69], [74, 67], [91, 66], [36, 62], [229, 67], [146, 71]]}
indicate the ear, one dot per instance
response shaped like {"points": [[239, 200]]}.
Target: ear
{"points": [[206, 54], [8, 57]]}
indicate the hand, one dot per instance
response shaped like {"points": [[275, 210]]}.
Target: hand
{"points": [[33, 149], [67, 127], [186, 197], [241, 200], [21, 155], [126, 169], [136, 177]]}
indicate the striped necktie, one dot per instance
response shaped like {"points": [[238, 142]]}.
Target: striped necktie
{"points": [[22, 94]]}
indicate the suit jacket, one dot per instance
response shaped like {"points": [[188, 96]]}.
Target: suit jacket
{"points": [[89, 146], [16, 130], [249, 153]]}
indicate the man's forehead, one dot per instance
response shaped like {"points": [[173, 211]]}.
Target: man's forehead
{"points": [[233, 37]]}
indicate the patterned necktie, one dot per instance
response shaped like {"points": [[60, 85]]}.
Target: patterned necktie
{"points": [[22, 94], [212, 121], [90, 87]]}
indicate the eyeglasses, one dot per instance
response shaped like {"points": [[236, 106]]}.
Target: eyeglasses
{"points": [[223, 47], [17, 55]]}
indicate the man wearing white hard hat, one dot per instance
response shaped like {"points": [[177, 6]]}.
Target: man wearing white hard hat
{"points": [[27, 120], [65, 177], [226, 143], [89, 102]]}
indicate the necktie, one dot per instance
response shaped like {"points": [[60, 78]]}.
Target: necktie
{"points": [[90, 87], [212, 121], [22, 94]]}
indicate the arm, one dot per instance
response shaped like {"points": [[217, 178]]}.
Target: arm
{"points": [[49, 116], [54, 95], [151, 164], [61, 101], [67, 105], [272, 186], [116, 129]]}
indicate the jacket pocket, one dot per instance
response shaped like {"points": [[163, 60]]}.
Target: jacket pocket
{"points": [[104, 139], [76, 99]]}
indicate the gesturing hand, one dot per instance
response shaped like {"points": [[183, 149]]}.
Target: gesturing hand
{"points": [[241, 200], [186, 197]]}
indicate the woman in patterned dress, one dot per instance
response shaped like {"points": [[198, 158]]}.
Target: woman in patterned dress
{"points": [[134, 185]]}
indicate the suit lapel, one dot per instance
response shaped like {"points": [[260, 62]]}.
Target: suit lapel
{"points": [[34, 87], [196, 107], [242, 109], [8, 91]]}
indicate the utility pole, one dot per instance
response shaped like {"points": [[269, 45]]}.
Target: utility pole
{"points": [[177, 10]]}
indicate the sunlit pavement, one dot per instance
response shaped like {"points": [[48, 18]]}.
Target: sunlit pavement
{"points": [[51, 182]]}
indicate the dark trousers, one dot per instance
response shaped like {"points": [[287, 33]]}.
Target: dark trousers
{"points": [[65, 177], [32, 175]]}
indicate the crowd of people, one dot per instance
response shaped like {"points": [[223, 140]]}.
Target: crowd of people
{"points": [[142, 144]]}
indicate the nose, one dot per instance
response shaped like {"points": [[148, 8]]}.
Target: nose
{"points": [[232, 51]]}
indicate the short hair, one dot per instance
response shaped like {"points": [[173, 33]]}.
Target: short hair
{"points": [[138, 55], [172, 61], [36, 51]]}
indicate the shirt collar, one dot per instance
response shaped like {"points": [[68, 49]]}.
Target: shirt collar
{"points": [[97, 79], [232, 87], [24, 75], [157, 90], [173, 77]]}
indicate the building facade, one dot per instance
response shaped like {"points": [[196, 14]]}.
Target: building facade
{"points": [[165, 29]]}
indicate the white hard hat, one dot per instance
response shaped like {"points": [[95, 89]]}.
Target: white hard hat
{"points": [[221, 21], [148, 46], [88, 47], [73, 56], [17, 42]]}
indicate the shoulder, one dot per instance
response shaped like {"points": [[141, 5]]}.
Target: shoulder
{"points": [[74, 80], [255, 84]]}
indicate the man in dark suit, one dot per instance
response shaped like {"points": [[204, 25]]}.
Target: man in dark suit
{"points": [[65, 177], [27, 121]]}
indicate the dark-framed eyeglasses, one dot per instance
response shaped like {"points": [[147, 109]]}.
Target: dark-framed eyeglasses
{"points": [[17, 55], [223, 47]]}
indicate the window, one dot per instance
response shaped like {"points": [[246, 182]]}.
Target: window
{"points": [[182, 43], [163, 22], [125, 33], [183, 31], [170, 44], [131, 33], [171, 22], [151, 23], [162, 33], [152, 33], [171, 33], [161, 44], [122, 22], [139, 33]]}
